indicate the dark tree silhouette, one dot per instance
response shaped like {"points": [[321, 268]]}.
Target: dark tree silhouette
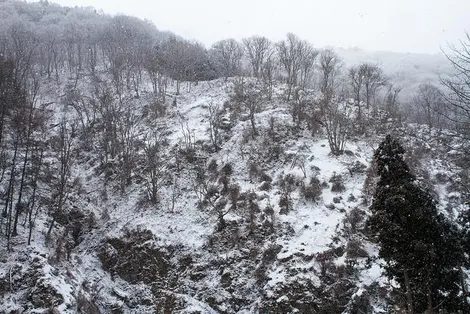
{"points": [[421, 249]]}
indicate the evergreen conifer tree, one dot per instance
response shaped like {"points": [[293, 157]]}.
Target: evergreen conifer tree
{"points": [[421, 248]]}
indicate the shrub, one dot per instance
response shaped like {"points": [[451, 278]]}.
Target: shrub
{"points": [[253, 171], [351, 198], [234, 194], [227, 169], [337, 199], [287, 184], [313, 190], [355, 218], [84, 305], [275, 152], [354, 249], [370, 181], [357, 168], [337, 184], [284, 204], [264, 177], [224, 181], [325, 260], [212, 167], [441, 178], [234, 191], [265, 186], [268, 214], [269, 255], [212, 190]]}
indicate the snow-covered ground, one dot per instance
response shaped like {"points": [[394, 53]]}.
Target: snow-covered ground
{"points": [[305, 234]]}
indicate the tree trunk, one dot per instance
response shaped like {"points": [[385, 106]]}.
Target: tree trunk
{"points": [[18, 207], [409, 296], [253, 125], [33, 197], [465, 294], [9, 199]]}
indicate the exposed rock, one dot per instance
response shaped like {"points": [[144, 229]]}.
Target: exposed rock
{"points": [[135, 258], [44, 295]]}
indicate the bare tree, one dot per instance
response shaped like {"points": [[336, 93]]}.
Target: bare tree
{"points": [[125, 42], [391, 103], [258, 50], [290, 54], [128, 124], [73, 38], [373, 79], [23, 48], [12, 94], [209, 194], [214, 126], [175, 56], [182, 60], [50, 50], [154, 68], [356, 81], [25, 125], [63, 144], [430, 104], [228, 54], [307, 64], [36, 162], [336, 123], [334, 109], [458, 85], [154, 170], [251, 98], [108, 113], [329, 70], [267, 72]]}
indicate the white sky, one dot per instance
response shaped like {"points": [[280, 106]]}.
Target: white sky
{"points": [[392, 25]]}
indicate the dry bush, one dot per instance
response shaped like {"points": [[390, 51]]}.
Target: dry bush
{"points": [[265, 186], [264, 177], [158, 108], [234, 194], [312, 191], [326, 261], [227, 169], [337, 183], [224, 180], [253, 171], [370, 181], [287, 184], [269, 256], [355, 219], [268, 218], [441, 178], [212, 167], [86, 306], [354, 249], [256, 174], [272, 150]]}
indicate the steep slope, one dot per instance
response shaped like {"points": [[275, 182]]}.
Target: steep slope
{"points": [[267, 224]]}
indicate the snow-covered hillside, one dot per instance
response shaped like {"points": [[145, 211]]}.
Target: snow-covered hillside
{"points": [[293, 215]]}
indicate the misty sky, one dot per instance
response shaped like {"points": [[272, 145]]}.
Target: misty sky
{"points": [[392, 25]]}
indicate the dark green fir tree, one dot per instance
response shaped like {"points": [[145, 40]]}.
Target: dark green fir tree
{"points": [[422, 250]]}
